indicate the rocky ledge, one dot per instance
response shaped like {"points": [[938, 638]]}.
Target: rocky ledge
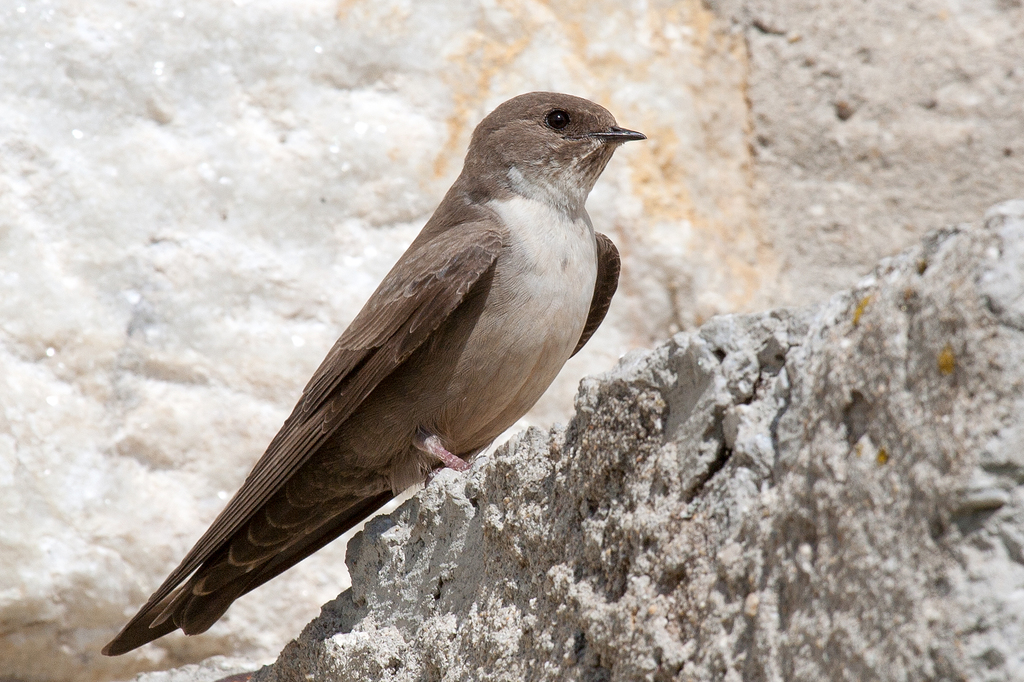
{"points": [[829, 493]]}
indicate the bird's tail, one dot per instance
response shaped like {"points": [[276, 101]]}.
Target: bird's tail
{"points": [[206, 596], [141, 630]]}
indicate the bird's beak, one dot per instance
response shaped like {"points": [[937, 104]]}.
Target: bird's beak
{"points": [[618, 135]]}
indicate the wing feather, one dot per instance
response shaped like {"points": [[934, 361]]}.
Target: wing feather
{"points": [[608, 265], [426, 285]]}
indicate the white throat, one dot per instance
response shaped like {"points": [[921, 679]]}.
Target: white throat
{"points": [[562, 189]]}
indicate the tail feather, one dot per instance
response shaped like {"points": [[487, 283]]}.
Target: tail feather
{"points": [[141, 629], [194, 607]]}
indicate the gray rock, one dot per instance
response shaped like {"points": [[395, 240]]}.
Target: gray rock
{"points": [[213, 669], [828, 493]]}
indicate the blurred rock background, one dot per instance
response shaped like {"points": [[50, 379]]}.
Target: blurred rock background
{"points": [[196, 198]]}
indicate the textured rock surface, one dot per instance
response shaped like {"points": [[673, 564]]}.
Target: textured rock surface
{"points": [[213, 669], [834, 493], [195, 199], [873, 122]]}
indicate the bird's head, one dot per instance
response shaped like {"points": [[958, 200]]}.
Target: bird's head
{"points": [[546, 146]]}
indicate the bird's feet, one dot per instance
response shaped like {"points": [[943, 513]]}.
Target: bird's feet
{"points": [[428, 442]]}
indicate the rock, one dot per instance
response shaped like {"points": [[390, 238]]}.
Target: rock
{"points": [[823, 493], [213, 669]]}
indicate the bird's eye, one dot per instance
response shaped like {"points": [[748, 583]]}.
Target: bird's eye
{"points": [[557, 119]]}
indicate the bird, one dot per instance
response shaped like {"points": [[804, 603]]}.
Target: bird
{"points": [[505, 282]]}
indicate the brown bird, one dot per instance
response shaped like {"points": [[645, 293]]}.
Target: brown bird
{"points": [[506, 281]]}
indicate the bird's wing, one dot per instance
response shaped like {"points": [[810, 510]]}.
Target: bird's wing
{"points": [[317, 540], [604, 288], [426, 285]]}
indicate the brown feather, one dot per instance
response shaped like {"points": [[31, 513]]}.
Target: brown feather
{"points": [[608, 264], [421, 291], [440, 345]]}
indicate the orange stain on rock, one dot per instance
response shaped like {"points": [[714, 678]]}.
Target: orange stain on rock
{"points": [[696, 168]]}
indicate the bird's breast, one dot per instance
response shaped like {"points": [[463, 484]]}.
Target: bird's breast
{"points": [[536, 309], [548, 269]]}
